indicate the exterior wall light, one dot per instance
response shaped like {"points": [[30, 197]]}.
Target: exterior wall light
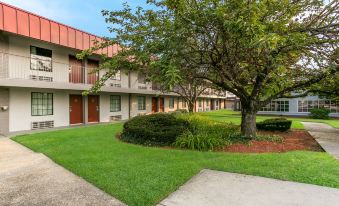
{"points": [[4, 108]]}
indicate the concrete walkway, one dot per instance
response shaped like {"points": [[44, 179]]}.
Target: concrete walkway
{"points": [[326, 136], [228, 189], [29, 178]]}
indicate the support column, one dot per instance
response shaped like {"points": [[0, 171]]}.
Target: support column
{"points": [[4, 111], [85, 106]]}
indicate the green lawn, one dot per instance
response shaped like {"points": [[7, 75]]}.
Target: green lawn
{"points": [[235, 117], [144, 176]]}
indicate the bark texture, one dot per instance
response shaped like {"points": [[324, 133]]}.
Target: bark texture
{"points": [[248, 122]]}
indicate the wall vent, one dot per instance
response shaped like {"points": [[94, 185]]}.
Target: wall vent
{"points": [[41, 78], [42, 125], [115, 118], [115, 85], [142, 87]]}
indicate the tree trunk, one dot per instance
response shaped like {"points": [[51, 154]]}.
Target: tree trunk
{"points": [[248, 122], [190, 107]]}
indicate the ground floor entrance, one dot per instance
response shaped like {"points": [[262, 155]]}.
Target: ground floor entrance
{"points": [[161, 104], [154, 104], [76, 115], [93, 108]]}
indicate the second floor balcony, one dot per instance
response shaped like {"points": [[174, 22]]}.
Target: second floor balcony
{"points": [[43, 69], [70, 73], [44, 72]]}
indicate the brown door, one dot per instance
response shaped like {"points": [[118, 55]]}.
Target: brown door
{"points": [[154, 104], [75, 109], [212, 104], [92, 75], [93, 108], [161, 105], [76, 74]]}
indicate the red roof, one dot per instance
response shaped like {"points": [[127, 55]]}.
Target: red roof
{"points": [[21, 22]]}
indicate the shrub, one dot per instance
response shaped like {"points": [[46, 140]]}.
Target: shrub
{"points": [[239, 138], [198, 124], [155, 129], [201, 141], [277, 124], [181, 111], [204, 134], [321, 113]]}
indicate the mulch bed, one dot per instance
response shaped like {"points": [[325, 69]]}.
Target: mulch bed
{"points": [[293, 140]]}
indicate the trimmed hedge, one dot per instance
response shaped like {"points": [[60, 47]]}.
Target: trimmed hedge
{"points": [[321, 113], [276, 124], [153, 130]]}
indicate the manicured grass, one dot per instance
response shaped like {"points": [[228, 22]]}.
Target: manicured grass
{"points": [[235, 117], [144, 176]]}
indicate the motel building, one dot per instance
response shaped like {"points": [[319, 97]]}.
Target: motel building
{"points": [[41, 81]]}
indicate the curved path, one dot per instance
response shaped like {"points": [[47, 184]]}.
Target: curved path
{"points": [[326, 136], [29, 178]]}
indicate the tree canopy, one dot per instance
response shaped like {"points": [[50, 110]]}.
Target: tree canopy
{"points": [[257, 49]]}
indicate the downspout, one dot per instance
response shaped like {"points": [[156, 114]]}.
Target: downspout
{"points": [[129, 96]]}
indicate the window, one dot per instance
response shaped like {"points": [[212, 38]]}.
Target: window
{"points": [[115, 103], [117, 76], [207, 103], [277, 106], [307, 105], [141, 78], [42, 104], [41, 59], [171, 103], [200, 103], [184, 103], [141, 103], [216, 102]]}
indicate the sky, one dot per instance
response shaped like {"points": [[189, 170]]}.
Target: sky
{"points": [[81, 14]]}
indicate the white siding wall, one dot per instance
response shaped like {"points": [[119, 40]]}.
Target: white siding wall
{"points": [[105, 112], [134, 105], [19, 60], [135, 84], [166, 104], [20, 117]]}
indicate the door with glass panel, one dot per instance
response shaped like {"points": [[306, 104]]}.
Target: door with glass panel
{"points": [[76, 73]]}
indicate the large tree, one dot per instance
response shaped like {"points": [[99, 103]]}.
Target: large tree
{"points": [[327, 88], [186, 85], [257, 49]]}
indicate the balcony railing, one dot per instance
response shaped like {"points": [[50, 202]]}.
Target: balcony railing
{"points": [[44, 69]]}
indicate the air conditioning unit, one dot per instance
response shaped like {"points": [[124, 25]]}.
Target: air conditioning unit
{"points": [[142, 87], [42, 125], [115, 85], [41, 78], [115, 118], [200, 110]]}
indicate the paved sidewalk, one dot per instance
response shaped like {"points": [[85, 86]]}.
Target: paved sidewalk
{"points": [[326, 136], [29, 178], [228, 189]]}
